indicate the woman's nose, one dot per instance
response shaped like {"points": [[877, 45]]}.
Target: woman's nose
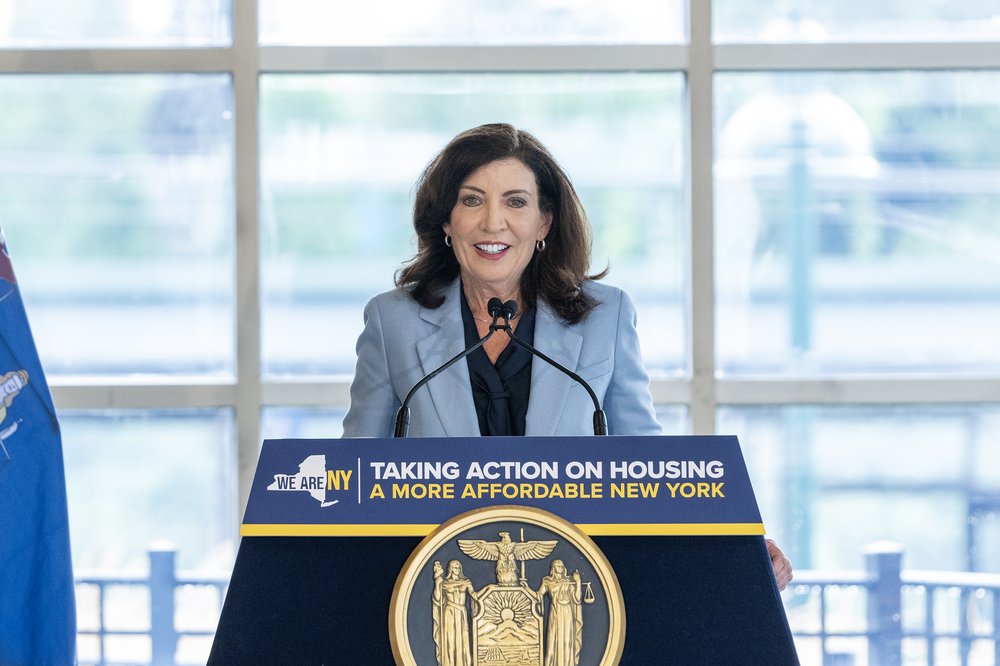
{"points": [[494, 218]]}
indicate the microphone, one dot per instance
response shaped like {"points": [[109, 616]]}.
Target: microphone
{"points": [[495, 309], [508, 310]]}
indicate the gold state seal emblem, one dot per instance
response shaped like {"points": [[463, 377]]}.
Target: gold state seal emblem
{"points": [[470, 595]]}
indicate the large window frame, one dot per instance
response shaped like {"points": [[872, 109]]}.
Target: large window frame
{"points": [[702, 391]]}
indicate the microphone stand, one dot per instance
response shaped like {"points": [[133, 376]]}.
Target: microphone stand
{"points": [[508, 311], [403, 414]]}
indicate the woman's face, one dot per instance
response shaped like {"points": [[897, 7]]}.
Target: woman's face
{"points": [[495, 224]]}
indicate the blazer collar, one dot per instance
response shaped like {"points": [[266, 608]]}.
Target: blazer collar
{"points": [[550, 387], [451, 391]]}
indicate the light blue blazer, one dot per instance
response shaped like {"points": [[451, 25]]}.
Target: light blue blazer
{"points": [[402, 341]]}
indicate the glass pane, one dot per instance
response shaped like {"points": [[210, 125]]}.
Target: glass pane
{"points": [[341, 154], [386, 22], [302, 423], [856, 222], [138, 477], [116, 199], [855, 20], [114, 23], [832, 480], [145, 481], [675, 419]]}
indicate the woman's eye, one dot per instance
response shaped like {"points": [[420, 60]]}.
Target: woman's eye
{"points": [[470, 200], [517, 202]]}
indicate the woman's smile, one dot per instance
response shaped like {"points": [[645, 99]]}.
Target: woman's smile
{"points": [[492, 251]]}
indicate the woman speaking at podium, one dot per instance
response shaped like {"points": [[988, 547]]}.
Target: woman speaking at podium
{"points": [[497, 217]]}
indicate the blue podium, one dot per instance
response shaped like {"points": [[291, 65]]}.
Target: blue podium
{"points": [[330, 524]]}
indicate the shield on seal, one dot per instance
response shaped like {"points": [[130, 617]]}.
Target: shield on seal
{"points": [[508, 627]]}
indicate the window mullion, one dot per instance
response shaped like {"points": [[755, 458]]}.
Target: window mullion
{"points": [[701, 333], [247, 167]]}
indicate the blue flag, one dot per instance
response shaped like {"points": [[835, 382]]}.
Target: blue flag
{"points": [[37, 602]]}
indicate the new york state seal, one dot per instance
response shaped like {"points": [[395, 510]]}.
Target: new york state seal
{"points": [[507, 586]]}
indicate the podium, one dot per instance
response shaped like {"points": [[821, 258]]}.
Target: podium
{"points": [[331, 524]]}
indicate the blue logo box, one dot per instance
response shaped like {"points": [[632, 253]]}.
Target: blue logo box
{"points": [[696, 485]]}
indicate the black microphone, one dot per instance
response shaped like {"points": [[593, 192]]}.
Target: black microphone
{"points": [[508, 310], [495, 308]]}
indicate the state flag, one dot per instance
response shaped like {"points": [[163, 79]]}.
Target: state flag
{"points": [[37, 600]]}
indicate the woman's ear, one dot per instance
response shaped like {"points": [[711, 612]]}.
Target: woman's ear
{"points": [[546, 225]]}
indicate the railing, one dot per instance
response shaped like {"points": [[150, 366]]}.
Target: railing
{"points": [[909, 617], [882, 616], [162, 633]]}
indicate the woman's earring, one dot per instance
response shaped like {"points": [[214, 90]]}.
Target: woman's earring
{"points": [[447, 240], [540, 244]]}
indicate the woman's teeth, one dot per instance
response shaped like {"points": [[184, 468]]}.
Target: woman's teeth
{"points": [[491, 248]]}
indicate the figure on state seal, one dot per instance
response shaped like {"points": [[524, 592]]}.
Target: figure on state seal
{"points": [[565, 617], [451, 615]]}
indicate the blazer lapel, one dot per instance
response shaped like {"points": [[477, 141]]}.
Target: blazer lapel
{"points": [[451, 391], [550, 387]]}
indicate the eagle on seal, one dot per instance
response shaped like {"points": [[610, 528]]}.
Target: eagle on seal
{"points": [[504, 552]]}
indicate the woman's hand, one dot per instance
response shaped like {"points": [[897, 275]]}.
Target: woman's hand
{"points": [[781, 565]]}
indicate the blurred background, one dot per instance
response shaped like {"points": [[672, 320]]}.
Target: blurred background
{"points": [[199, 197]]}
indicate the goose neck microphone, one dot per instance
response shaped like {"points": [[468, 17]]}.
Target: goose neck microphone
{"points": [[495, 308], [507, 310]]}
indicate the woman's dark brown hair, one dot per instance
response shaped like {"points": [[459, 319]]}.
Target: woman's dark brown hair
{"points": [[555, 274]]}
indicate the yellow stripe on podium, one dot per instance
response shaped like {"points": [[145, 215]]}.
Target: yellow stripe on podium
{"points": [[675, 529], [630, 529], [335, 530]]}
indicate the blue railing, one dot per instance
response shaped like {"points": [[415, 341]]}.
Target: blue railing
{"points": [[894, 616], [881, 616], [162, 584]]}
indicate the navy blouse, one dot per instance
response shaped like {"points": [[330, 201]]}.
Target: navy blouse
{"points": [[500, 391]]}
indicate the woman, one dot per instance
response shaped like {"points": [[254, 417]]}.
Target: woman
{"points": [[496, 216]]}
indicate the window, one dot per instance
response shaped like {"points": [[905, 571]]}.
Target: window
{"points": [[452, 22], [802, 21], [118, 197], [856, 197], [199, 198], [114, 23]]}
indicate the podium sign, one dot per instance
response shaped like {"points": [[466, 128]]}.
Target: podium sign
{"points": [[406, 487], [370, 551]]}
